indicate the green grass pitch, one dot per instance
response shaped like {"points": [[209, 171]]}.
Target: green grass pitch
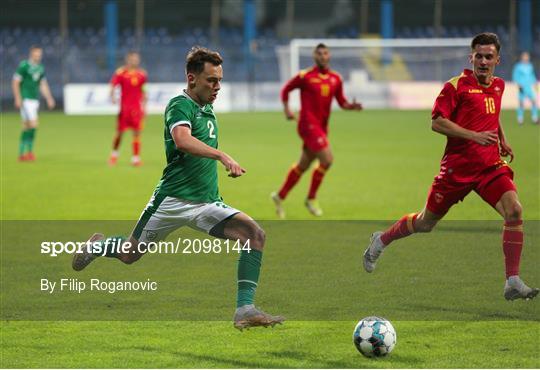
{"points": [[442, 291]]}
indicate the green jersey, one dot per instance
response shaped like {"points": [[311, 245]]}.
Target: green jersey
{"points": [[187, 176], [30, 76]]}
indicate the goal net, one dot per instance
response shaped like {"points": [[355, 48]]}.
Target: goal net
{"points": [[383, 73]]}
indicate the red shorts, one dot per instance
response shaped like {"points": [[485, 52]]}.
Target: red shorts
{"points": [[491, 186], [130, 119], [314, 137]]}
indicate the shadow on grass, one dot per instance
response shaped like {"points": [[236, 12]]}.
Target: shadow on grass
{"points": [[473, 227], [475, 315], [296, 359]]}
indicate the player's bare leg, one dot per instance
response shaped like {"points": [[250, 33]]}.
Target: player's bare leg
{"points": [[136, 159], [127, 256], [116, 145], [325, 158], [306, 158], [422, 222], [244, 229], [132, 254], [510, 209]]}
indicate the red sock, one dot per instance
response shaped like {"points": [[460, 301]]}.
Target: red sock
{"points": [[292, 178], [402, 228], [136, 146], [512, 245], [116, 141], [316, 180]]}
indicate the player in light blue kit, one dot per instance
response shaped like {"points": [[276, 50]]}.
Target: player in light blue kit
{"points": [[523, 75]]}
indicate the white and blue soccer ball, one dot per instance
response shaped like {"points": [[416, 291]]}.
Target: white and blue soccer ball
{"points": [[374, 336]]}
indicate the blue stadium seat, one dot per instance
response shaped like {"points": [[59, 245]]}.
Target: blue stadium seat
{"points": [[85, 59]]}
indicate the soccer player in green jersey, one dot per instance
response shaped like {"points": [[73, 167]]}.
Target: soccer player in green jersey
{"points": [[28, 81], [188, 195]]}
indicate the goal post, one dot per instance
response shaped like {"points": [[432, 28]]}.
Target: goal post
{"points": [[383, 73], [372, 54]]}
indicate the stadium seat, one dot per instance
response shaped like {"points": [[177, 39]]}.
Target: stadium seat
{"points": [[85, 50]]}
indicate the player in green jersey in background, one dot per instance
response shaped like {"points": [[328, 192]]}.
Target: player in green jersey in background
{"points": [[188, 194], [28, 81]]}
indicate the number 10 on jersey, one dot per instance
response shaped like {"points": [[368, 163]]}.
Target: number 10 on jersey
{"points": [[490, 105]]}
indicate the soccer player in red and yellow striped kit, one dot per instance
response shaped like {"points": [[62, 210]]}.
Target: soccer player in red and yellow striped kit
{"points": [[467, 112], [318, 86], [131, 80]]}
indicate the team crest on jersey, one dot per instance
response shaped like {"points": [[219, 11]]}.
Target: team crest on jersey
{"points": [[151, 235], [439, 198], [35, 76]]}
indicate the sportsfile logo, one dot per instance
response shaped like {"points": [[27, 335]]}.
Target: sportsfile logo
{"points": [[116, 246], [99, 248]]}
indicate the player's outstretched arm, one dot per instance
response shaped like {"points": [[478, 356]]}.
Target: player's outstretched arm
{"points": [[448, 128], [191, 145], [353, 106], [342, 100], [46, 92]]}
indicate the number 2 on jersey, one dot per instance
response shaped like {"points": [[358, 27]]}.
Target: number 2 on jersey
{"points": [[211, 128], [490, 105]]}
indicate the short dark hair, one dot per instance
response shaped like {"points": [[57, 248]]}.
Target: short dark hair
{"points": [[34, 47], [486, 38], [320, 46], [198, 56]]}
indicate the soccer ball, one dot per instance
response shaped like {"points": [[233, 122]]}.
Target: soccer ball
{"points": [[374, 336]]}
